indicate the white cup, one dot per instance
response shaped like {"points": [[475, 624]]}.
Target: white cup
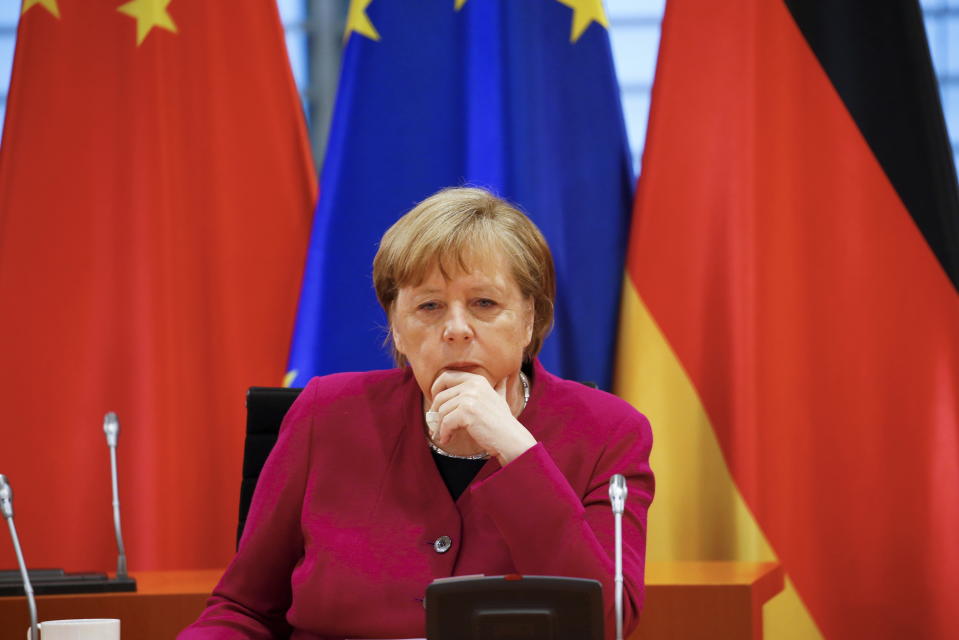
{"points": [[89, 629]]}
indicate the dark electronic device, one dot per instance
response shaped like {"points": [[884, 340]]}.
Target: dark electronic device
{"points": [[514, 607]]}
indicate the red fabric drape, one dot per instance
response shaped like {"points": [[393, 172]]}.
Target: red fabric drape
{"points": [[155, 201]]}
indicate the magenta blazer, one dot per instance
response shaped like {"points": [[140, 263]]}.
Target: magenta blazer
{"points": [[351, 520]]}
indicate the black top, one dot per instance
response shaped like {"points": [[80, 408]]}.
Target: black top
{"points": [[457, 473]]}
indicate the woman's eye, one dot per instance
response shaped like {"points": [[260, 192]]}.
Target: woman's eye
{"points": [[485, 303], [428, 306]]}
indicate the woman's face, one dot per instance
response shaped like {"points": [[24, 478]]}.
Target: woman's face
{"points": [[477, 322]]}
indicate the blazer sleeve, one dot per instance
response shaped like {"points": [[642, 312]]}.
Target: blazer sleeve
{"points": [[551, 530], [254, 594]]}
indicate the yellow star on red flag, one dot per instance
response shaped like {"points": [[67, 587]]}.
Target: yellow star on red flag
{"points": [[49, 5], [584, 13], [148, 14]]}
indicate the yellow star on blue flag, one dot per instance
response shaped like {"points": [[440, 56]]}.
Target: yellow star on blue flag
{"points": [[357, 21], [585, 12]]}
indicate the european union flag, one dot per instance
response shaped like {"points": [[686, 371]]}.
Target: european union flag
{"points": [[519, 97]]}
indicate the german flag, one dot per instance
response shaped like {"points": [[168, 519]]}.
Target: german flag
{"points": [[791, 311]]}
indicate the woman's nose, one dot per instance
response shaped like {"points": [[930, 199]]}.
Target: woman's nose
{"points": [[457, 327]]}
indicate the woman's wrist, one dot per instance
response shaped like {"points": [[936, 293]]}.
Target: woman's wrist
{"points": [[523, 443]]}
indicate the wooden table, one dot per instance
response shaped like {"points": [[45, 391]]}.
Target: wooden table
{"points": [[164, 603], [683, 600], [690, 600]]}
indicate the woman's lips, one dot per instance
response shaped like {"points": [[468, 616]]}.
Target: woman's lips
{"points": [[461, 366]]}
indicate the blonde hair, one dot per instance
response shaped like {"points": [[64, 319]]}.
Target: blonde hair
{"points": [[453, 228]]}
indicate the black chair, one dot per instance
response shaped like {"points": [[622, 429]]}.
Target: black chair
{"points": [[265, 408]]}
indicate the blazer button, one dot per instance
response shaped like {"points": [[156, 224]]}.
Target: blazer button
{"points": [[442, 544]]}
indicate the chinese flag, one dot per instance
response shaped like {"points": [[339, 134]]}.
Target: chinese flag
{"points": [[156, 191], [791, 318]]}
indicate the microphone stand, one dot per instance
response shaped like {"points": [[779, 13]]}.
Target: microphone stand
{"points": [[6, 506], [111, 427], [617, 497], [52, 581]]}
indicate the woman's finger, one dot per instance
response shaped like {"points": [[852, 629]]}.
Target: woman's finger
{"points": [[445, 396], [449, 379], [450, 424], [458, 382]]}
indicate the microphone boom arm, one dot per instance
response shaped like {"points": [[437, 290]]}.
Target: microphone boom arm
{"points": [[111, 427], [6, 506]]}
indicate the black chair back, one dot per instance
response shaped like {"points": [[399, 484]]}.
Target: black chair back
{"points": [[265, 408]]}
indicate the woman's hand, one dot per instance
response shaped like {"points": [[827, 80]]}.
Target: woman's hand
{"points": [[468, 405]]}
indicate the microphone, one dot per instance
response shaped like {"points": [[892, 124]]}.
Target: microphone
{"points": [[111, 427], [54, 581], [6, 507], [617, 497]]}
